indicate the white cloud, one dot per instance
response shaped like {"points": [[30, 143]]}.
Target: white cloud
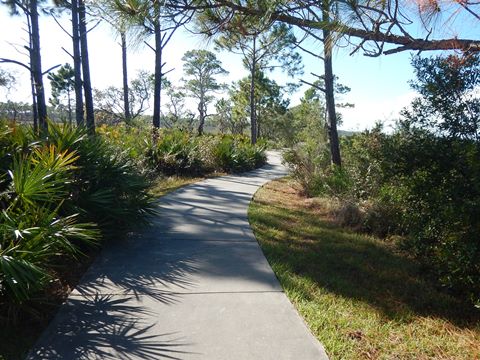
{"points": [[370, 110]]}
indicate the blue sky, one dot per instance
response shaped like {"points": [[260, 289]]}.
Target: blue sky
{"points": [[379, 85]]}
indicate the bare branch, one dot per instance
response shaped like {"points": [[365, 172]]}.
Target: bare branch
{"points": [[169, 71], [11, 61], [313, 85], [94, 26], [60, 25], [67, 52], [150, 46], [50, 69], [310, 52]]}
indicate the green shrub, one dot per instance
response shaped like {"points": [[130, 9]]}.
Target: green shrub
{"points": [[422, 181], [112, 191], [131, 138], [384, 214], [175, 152], [363, 161], [33, 231], [236, 154], [59, 193], [427, 188], [182, 153], [442, 211], [309, 164]]}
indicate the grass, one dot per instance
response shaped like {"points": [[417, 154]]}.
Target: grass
{"points": [[165, 184], [162, 185], [360, 297]]}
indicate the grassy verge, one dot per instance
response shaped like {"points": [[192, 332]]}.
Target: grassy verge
{"points": [[162, 185], [165, 184], [359, 296]]}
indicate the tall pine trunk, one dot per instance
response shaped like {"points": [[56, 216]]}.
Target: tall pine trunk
{"points": [[259, 129], [77, 65], [126, 100], [330, 93], [157, 91], [87, 86], [201, 111], [69, 99], [34, 106], [36, 67], [253, 110], [32, 83]]}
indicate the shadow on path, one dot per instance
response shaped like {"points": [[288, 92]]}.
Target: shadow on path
{"points": [[105, 327]]}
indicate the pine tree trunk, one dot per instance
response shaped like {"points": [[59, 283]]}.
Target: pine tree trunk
{"points": [[32, 84], [77, 65], [34, 107], [330, 95], [87, 86], [253, 110], [69, 98], [126, 101], [201, 111], [259, 133], [157, 91], [36, 68]]}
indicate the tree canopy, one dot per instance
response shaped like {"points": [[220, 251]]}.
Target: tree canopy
{"points": [[201, 68]]}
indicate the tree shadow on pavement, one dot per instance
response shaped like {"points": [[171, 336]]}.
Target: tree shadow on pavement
{"points": [[106, 327]]}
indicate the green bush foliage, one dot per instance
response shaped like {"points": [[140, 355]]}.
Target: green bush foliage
{"points": [[421, 182], [58, 193], [236, 154], [426, 188], [182, 153], [309, 164]]}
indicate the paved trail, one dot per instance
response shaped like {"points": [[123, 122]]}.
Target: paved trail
{"points": [[194, 286]]}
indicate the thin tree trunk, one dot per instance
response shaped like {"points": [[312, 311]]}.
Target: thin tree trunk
{"points": [[157, 91], [201, 110], [69, 98], [253, 110], [77, 65], [15, 112], [32, 83], [87, 86], [36, 68], [34, 106], [259, 133], [126, 102], [330, 94]]}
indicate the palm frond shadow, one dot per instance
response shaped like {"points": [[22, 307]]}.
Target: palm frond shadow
{"points": [[154, 272], [106, 327]]}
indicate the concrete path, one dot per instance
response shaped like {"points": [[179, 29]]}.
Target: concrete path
{"points": [[195, 286]]}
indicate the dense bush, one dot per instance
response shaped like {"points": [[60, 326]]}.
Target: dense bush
{"points": [[58, 193], [421, 182], [235, 154], [175, 152], [309, 165], [131, 138], [182, 153], [428, 188]]}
